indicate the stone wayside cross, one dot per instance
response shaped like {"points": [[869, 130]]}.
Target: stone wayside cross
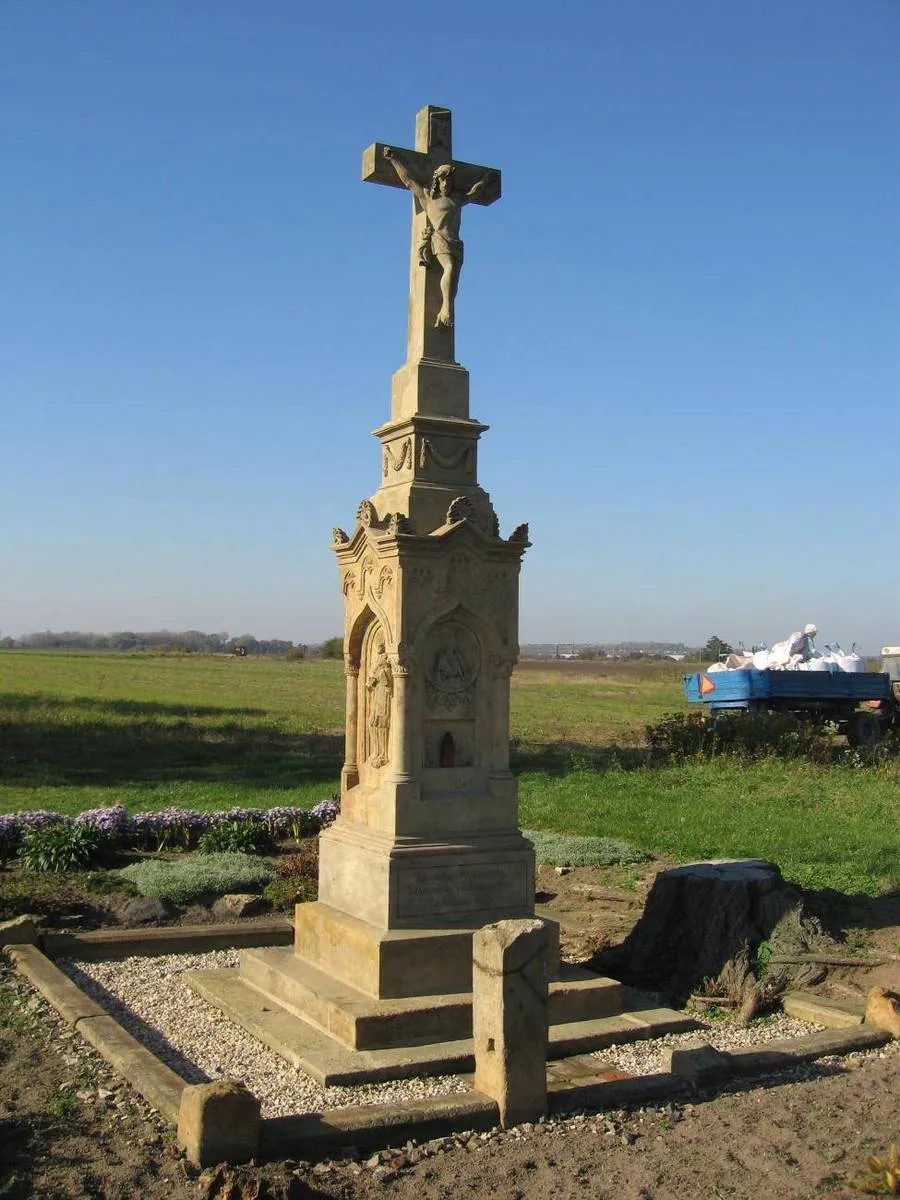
{"points": [[440, 186]]}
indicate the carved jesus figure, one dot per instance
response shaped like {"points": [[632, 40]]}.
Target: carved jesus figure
{"points": [[441, 242]]}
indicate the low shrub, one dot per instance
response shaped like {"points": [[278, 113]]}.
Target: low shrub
{"points": [[681, 737], [248, 837], [14, 826], [567, 850], [304, 863], [288, 890], [185, 879], [9, 837], [67, 846]]}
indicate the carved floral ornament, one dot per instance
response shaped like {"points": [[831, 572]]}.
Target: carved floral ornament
{"points": [[404, 660], [366, 514], [384, 580], [461, 509], [367, 518]]}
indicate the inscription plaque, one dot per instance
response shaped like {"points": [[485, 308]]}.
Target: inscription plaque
{"points": [[433, 891]]}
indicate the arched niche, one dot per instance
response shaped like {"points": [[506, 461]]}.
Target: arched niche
{"points": [[455, 650], [368, 649]]}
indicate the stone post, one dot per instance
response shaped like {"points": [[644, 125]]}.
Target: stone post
{"points": [[510, 1017], [218, 1122]]}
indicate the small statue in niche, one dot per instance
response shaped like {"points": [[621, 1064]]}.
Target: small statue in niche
{"points": [[448, 750], [380, 690]]}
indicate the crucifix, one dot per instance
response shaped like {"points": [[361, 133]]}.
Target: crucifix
{"points": [[440, 187]]}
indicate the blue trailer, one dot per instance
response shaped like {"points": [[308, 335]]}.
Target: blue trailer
{"points": [[820, 695]]}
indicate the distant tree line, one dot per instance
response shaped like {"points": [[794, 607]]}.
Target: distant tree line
{"points": [[188, 641]]}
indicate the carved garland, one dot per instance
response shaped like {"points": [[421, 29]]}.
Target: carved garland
{"points": [[447, 462], [398, 462]]}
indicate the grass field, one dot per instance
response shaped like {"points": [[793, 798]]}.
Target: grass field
{"points": [[79, 730]]}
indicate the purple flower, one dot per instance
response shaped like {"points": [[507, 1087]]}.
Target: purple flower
{"points": [[167, 827], [237, 814], [111, 820], [288, 821], [326, 810], [38, 818]]}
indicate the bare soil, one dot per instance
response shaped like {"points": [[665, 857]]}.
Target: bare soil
{"points": [[69, 1128]]}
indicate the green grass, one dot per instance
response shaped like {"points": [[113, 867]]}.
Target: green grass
{"points": [[78, 730], [825, 826]]}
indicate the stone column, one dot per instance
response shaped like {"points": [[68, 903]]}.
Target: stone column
{"points": [[510, 1017], [500, 747], [401, 755], [350, 772]]}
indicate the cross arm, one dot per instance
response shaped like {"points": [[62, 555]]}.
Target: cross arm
{"points": [[377, 169]]}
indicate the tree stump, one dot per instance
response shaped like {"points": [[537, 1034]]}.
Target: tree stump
{"points": [[704, 923]]}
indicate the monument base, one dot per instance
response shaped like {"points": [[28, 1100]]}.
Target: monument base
{"points": [[386, 964]]}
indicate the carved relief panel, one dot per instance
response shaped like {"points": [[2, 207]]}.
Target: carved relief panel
{"points": [[452, 668]]}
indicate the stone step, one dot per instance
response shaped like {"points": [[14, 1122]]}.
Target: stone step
{"points": [[324, 1058], [329, 1061], [359, 1021], [578, 995], [580, 1037], [365, 1023], [821, 1010]]}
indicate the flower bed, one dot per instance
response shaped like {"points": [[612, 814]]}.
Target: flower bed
{"points": [[168, 828]]}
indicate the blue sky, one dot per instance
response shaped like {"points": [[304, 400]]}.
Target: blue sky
{"points": [[681, 320]]}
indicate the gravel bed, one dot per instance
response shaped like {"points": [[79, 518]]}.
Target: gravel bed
{"points": [[149, 998], [645, 1058]]}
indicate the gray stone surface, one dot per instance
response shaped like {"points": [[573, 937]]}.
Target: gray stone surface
{"points": [[240, 904], [21, 930], [510, 990], [700, 1064], [144, 910]]}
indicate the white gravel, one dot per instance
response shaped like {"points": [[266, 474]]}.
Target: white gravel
{"points": [[149, 998], [645, 1058]]}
